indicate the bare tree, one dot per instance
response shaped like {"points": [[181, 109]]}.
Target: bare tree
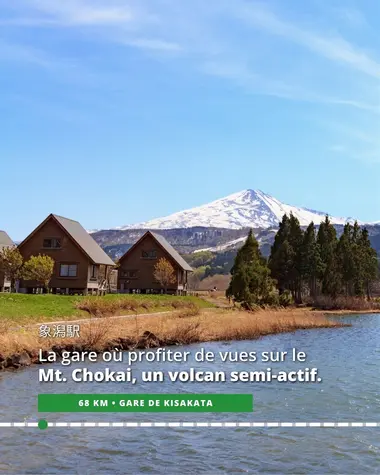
{"points": [[164, 273], [194, 281]]}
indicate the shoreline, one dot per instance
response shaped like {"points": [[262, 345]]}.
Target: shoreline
{"points": [[342, 313], [338, 313], [163, 330]]}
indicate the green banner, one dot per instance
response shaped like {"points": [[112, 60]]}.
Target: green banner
{"points": [[145, 403]]}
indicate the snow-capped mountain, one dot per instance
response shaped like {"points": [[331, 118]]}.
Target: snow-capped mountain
{"points": [[248, 208]]}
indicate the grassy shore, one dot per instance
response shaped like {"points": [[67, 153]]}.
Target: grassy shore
{"points": [[21, 309], [340, 305], [184, 326]]}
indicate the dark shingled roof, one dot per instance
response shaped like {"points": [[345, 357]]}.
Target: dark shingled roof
{"points": [[85, 241], [5, 240], [170, 250]]}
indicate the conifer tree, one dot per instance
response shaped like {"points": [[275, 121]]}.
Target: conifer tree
{"points": [[295, 242], [355, 232], [285, 259], [310, 260], [303, 260], [329, 271], [345, 255], [358, 261], [369, 260], [250, 282], [281, 256]]}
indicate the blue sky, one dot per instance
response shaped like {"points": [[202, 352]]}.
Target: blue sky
{"points": [[118, 111]]}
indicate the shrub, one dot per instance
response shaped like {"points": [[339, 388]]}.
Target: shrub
{"points": [[325, 302], [95, 335], [177, 304], [100, 306], [185, 333], [191, 311], [273, 299], [286, 299]]}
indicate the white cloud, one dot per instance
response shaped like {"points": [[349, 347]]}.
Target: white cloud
{"points": [[359, 141], [332, 47], [369, 156], [81, 12], [245, 43], [113, 21], [352, 17], [153, 44], [66, 70], [338, 148], [25, 54], [252, 82]]}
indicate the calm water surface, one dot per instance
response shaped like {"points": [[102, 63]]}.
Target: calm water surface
{"points": [[348, 360]]}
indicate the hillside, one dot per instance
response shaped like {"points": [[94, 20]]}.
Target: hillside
{"points": [[212, 249], [185, 240]]}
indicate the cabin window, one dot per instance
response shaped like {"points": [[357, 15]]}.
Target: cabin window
{"points": [[68, 270], [130, 274], [93, 272], [149, 254], [52, 243]]}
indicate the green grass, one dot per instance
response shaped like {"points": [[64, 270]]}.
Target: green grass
{"points": [[24, 309]]}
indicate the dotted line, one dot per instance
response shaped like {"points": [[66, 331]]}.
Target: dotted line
{"points": [[42, 424]]}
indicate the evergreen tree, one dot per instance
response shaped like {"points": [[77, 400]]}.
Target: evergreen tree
{"points": [[295, 271], [250, 282], [302, 261], [355, 232], [281, 256], [285, 259], [310, 260], [358, 260], [345, 255], [369, 260], [329, 270]]}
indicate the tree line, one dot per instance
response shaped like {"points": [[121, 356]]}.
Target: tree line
{"points": [[305, 263], [38, 268]]}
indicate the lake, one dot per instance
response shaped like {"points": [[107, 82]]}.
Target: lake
{"points": [[348, 362]]}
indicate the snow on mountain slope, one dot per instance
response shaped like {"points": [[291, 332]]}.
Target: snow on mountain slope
{"points": [[262, 238], [223, 247], [248, 208]]}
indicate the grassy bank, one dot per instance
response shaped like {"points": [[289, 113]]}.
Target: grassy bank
{"points": [[21, 309], [181, 327], [343, 304], [340, 305]]}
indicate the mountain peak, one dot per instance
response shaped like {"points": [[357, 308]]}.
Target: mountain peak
{"points": [[246, 208]]}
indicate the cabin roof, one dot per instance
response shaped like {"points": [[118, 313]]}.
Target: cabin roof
{"points": [[170, 250], [166, 246], [5, 240], [81, 237], [85, 241]]}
